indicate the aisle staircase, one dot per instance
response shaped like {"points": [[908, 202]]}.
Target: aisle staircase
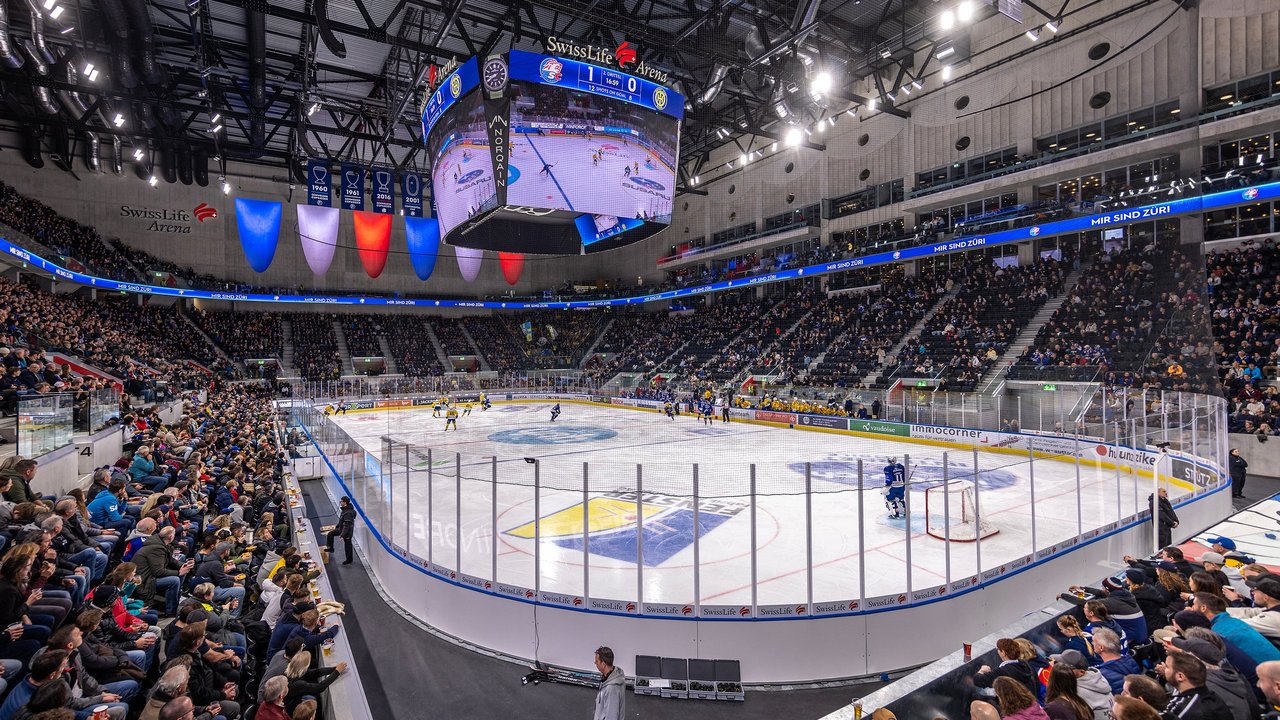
{"points": [[385, 347], [591, 349], [344, 352], [441, 355], [484, 364], [996, 374], [915, 331], [200, 331], [287, 368]]}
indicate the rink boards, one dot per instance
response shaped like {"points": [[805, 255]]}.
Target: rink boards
{"points": [[777, 642]]}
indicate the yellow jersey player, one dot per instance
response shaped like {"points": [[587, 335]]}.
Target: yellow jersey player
{"points": [[451, 419], [466, 409], [436, 407], [484, 402], [669, 409], [328, 410]]}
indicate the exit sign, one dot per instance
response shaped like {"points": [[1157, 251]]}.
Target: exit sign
{"points": [[922, 383], [1049, 388]]}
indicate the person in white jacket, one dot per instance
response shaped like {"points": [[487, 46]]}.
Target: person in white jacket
{"points": [[1213, 561], [611, 698], [1264, 616]]}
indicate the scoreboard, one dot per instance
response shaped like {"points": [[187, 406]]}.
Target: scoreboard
{"points": [[534, 153]]}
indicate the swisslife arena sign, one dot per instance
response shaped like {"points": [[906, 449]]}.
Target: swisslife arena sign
{"points": [[624, 57]]}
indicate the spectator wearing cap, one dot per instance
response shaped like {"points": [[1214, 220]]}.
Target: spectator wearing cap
{"points": [[1123, 605], [1221, 544], [1010, 666], [1091, 686], [1258, 648], [1115, 664], [1216, 565], [1264, 616]]}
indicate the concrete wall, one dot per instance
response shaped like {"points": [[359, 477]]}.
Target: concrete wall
{"points": [[1263, 458]]}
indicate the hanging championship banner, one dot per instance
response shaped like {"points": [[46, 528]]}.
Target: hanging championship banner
{"points": [[494, 76], [384, 193], [411, 194], [352, 187], [319, 183]]}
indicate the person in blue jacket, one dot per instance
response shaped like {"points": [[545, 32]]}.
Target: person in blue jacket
{"points": [[142, 470], [106, 508]]}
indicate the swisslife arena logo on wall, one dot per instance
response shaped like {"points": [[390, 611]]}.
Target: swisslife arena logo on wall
{"points": [[173, 221], [624, 57]]}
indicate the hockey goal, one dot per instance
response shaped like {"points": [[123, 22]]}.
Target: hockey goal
{"points": [[955, 500]]}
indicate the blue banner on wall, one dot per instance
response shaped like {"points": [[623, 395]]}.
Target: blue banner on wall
{"points": [[411, 194], [383, 192], [319, 183], [352, 187]]}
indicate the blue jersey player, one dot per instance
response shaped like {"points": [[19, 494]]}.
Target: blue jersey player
{"points": [[555, 412], [895, 484]]}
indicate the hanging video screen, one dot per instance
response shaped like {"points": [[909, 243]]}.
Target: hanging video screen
{"points": [[584, 152], [461, 168]]}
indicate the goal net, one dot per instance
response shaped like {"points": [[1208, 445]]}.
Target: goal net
{"points": [[951, 511]]}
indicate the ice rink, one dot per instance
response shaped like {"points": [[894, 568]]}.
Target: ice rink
{"points": [[463, 177], [575, 182], [422, 500]]}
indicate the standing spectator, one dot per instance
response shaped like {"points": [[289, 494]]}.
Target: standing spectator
{"points": [[611, 698], [1168, 518], [1238, 466], [344, 529]]}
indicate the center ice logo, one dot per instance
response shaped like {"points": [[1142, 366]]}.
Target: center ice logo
{"points": [[468, 177], [925, 473], [661, 524], [647, 183], [559, 435], [551, 70]]}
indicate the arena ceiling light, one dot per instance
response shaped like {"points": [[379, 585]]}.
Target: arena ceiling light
{"points": [[88, 68], [946, 20], [946, 73], [137, 154], [821, 83], [118, 120], [1052, 26], [56, 12], [152, 181], [965, 11], [1033, 34]]}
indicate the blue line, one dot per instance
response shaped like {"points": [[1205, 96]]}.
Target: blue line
{"points": [[945, 596], [550, 174]]}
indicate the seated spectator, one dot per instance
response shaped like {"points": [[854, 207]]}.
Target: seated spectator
{"points": [[1240, 634], [1010, 666], [1220, 677], [1115, 665], [305, 681], [274, 692], [1191, 700], [1061, 701], [1091, 686]]}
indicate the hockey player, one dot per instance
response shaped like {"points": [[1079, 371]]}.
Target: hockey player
{"points": [[635, 168], [342, 407], [626, 171], [484, 402], [451, 418], [546, 169], [555, 412], [706, 408], [722, 409], [669, 409], [895, 488], [328, 410], [436, 407], [466, 409]]}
